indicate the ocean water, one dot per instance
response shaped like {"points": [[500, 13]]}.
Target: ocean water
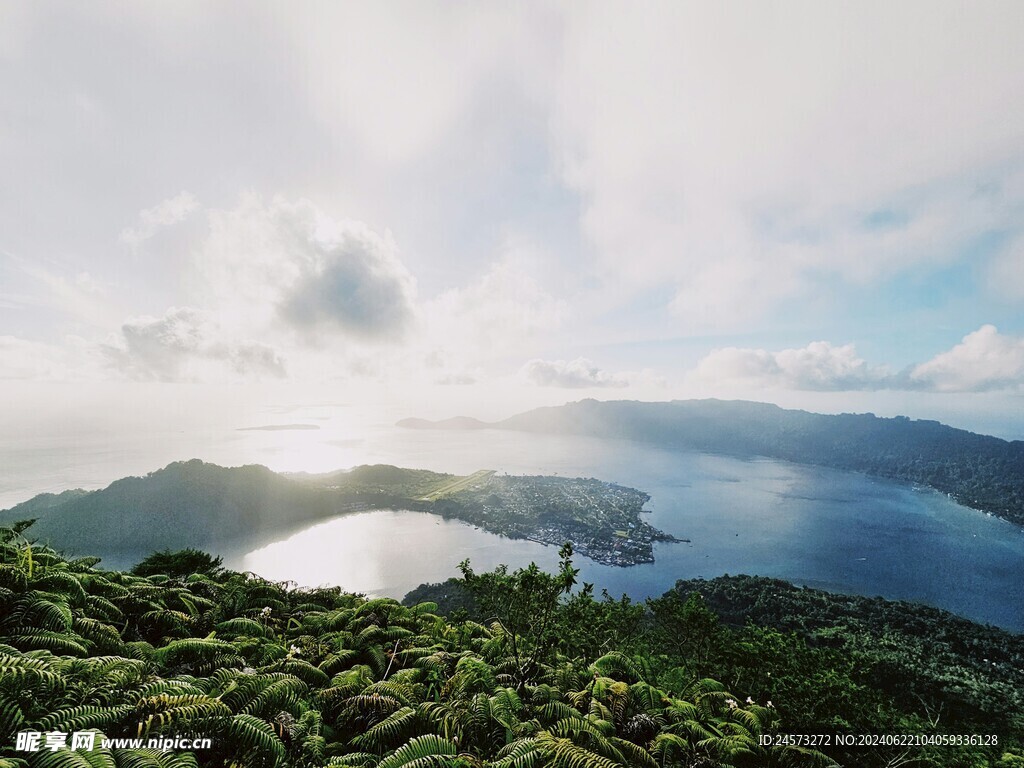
{"points": [[835, 530]]}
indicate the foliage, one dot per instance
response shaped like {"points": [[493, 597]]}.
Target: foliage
{"points": [[277, 676], [184, 562], [531, 671]]}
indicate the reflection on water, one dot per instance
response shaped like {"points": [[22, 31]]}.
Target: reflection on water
{"points": [[835, 530], [388, 552]]}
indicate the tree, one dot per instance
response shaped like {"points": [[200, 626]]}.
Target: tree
{"points": [[180, 564], [524, 605]]}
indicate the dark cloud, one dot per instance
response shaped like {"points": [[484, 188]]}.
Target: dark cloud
{"points": [[353, 283]]}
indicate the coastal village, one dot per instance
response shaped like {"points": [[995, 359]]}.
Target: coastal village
{"points": [[601, 519]]}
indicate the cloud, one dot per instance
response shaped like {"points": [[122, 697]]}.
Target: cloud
{"points": [[185, 344], [354, 283], [457, 379], [502, 313], [573, 374], [739, 158], [74, 359], [165, 214], [985, 360], [289, 266], [385, 56], [818, 366], [1006, 271]]}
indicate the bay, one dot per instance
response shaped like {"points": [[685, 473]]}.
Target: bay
{"points": [[834, 530]]}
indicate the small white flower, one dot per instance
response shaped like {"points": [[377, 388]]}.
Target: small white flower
{"points": [[770, 705], [265, 611], [749, 700], [732, 703], [294, 651]]}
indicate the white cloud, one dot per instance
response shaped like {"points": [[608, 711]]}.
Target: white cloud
{"points": [[160, 216], [457, 379], [572, 374], [740, 154], [417, 71], [985, 360], [25, 359], [502, 313], [818, 366], [186, 344]]}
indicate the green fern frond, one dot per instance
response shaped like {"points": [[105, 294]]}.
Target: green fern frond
{"points": [[563, 753], [20, 668], [244, 627], [187, 649], [402, 692], [81, 718], [618, 665], [282, 694], [66, 583], [12, 718], [392, 729], [417, 749], [31, 639], [151, 758], [310, 675], [255, 737]]}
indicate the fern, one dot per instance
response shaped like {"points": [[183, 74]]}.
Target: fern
{"points": [[12, 718], [310, 675], [255, 738], [419, 749], [280, 694], [563, 753], [84, 717], [394, 728], [151, 758], [23, 668], [31, 639], [243, 626]]}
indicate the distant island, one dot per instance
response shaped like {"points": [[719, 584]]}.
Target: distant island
{"points": [[279, 428], [978, 471], [195, 504]]}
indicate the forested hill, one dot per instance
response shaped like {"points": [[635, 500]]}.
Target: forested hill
{"points": [[194, 504], [977, 470], [186, 504]]}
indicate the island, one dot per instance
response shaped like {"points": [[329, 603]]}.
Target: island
{"points": [[214, 508]]}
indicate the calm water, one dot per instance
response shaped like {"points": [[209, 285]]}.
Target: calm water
{"points": [[834, 530]]}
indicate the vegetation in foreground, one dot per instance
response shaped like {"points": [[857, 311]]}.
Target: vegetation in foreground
{"points": [[546, 675]]}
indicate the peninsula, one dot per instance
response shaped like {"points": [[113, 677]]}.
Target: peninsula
{"points": [[978, 471], [214, 508]]}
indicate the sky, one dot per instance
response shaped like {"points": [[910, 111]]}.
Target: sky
{"points": [[477, 208]]}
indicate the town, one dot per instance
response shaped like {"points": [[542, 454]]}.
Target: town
{"points": [[601, 520]]}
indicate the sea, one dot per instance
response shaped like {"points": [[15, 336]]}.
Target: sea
{"points": [[839, 531]]}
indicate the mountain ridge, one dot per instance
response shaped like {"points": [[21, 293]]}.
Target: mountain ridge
{"points": [[192, 504], [978, 471]]}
